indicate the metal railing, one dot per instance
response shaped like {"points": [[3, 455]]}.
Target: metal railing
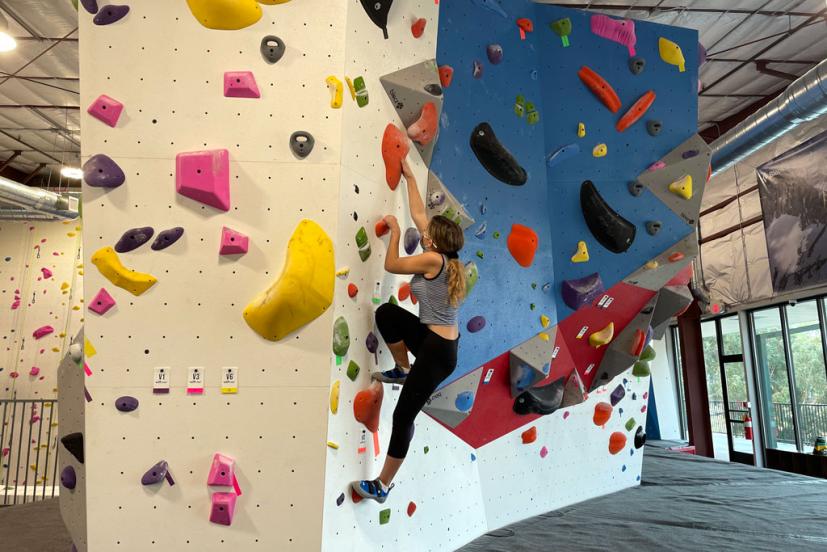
{"points": [[28, 450], [813, 419]]}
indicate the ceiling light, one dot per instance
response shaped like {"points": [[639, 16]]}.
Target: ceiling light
{"points": [[7, 43], [72, 172]]}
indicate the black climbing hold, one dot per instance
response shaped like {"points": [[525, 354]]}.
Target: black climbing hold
{"points": [[134, 238], [110, 14], [647, 309], [167, 238], [636, 65], [340, 500], [272, 49], [540, 400], [433, 89], [68, 477], [496, 159], [74, 444], [653, 227], [640, 437], [126, 403], [90, 5], [301, 143], [614, 232], [654, 127], [635, 188], [100, 171], [378, 10]]}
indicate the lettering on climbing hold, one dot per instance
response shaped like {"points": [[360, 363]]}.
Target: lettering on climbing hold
{"points": [[126, 403], [341, 337], [640, 437], [635, 112], [100, 171], [42, 332], [110, 14], [600, 150], [495, 158], [494, 53], [272, 49], [522, 244], [446, 75], [240, 84], [602, 337], [418, 27], [107, 110], [476, 71], [636, 188], [582, 291], [411, 240], [367, 405], [425, 128], [233, 242], [157, 473], [654, 127], [602, 413], [166, 238], [378, 10], [671, 53], [562, 28], [109, 265], [134, 238], [561, 154], [353, 370], [611, 230], [621, 31], [68, 477], [653, 227], [476, 324], [636, 65], [540, 400], [600, 88], [102, 302], [472, 274], [304, 290], [301, 143], [394, 149], [529, 436], [682, 187], [205, 177], [582, 253], [225, 15], [73, 442], [617, 441], [362, 244], [337, 91]]}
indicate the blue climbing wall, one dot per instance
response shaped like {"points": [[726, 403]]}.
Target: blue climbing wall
{"points": [[510, 297]]}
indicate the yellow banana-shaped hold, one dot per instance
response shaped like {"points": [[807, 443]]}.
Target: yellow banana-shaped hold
{"points": [[303, 291], [351, 88], [582, 254], [334, 397], [682, 187], [273, 2], [225, 15], [671, 53], [337, 91], [581, 130], [602, 337], [110, 266]]}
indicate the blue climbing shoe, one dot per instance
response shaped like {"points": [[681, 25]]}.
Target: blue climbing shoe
{"points": [[396, 375], [372, 490]]}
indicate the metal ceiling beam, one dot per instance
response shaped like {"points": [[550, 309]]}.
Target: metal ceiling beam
{"points": [[21, 141], [787, 61], [11, 158], [710, 55], [60, 129], [761, 66], [75, 79], [40, 167], [33, 81], [38, 56], [44, 39], [29, 106], [656, 8], [20, 21]]}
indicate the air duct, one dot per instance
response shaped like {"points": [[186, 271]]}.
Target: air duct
{"points": [[38, 200], [22, 214], [804, 100]]}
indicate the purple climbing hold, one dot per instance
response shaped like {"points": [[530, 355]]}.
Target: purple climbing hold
{"points": [[477, 69], [126, 403], [476, 324], [90, 5], [701, 54], [110, 14], [372, 342], [617, 395], [340, 500], [167, 238], [68, 478], [157, 473], [100, 171], [495, 53], [582, 291], [689, 154], [411, 240], [134, 238]]}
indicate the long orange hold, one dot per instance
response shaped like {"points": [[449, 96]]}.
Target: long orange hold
{"points": [[600, 88], [636, 111]]}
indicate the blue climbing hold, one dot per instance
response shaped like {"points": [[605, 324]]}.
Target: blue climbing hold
{"points": [[464, 401], [565, 152], [473, 457]]}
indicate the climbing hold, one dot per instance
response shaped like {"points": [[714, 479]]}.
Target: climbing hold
{"points": [[611, 230], [648, 354], [600, 150], [341, 499], [302, 142], [602, 337], [372, 342], [73, 442], [102, 302], [42, 331], [519, 105], [671, 53], [563, 153], [384, 516], [540, 400], [689, 154], [636, 111], [433, 89], [602, 413], [471, 276], [562, 28], [476, 324], [341, 337], [494, 53], [411, 240], [581, 130], [126, 403], [543, 452], [640, 437], [240, 84], [110, 14], [464, 401], [342, 272], [337, 91], [676, 256], [682, 187], [222, 471], [303, 291], [378, 10], [630, 423], [544, 321], [522, 244], [367, 405], [100, 171], [526, 26], [404, 291], [68, 477], [111, 268], [166, 238], [411, 508], [134, 238], [46, 273], [654, 127], [418, 27], [362, 97], [656, 166], [157, 473], [617, 395], [641, 369], [381, 228], [621, 31], [233, 242], [353, 370], [446, 75], [34, 371], [653, 227], [225, 15], [636, 65], [424, 129], [495, 158], [394, 149], [480, 232], [106, 109], [636, 188], [529, 436], [582, 253], [90, 5], [205, 177], [582, 291], [223, 508], [617, 441], [352, 290], [532, 115], [272, 49], [334, 397], [638, 343], [477, 69], [652, 265], [600, 88], [362, 243]]}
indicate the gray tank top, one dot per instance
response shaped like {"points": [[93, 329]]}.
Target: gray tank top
{"points": [[432, 293]]}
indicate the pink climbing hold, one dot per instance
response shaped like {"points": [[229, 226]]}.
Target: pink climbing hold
{"points": [[42, 331], [204, 176], [240, 84], [223, 508], [106, 109], [46, 273], [621, 31], [543, 452], [233, 243], [656, 166], [102, 302], [35, 371], [14, 375], [222, 471]]}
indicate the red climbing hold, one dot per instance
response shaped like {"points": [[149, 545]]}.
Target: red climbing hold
{"points": [[367, 404], [418, 27], [355, 497], [616, 442], [352, 290], [602, 413], [600, 88], [394, 149], [404, 291], [636, 111], [526, 26], [424, 129], [381, 228], [675, 257], [411, 508], [446, 75], [638, 343], [529, 435], [522, 244]]}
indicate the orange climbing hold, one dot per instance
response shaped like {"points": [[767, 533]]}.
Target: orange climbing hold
{"points": [[394, 149], [352, 290], [676, 256], [446, 75], [355, 497], [381, 228], [616, 442], [600, 88], [424, 129], [418, 27], [529, 435], [367, 404], [411, 508], [636, 111], [602, 413], [522, 244], [404, 291]]}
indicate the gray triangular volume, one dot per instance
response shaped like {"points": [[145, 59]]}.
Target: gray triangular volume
{"points": [[440, 201], [411, 88], [453, 403], [692, 159], [655, 278], [672, 300], [530, 361], [574, 393]]}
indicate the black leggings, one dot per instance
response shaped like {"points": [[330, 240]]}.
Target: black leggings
{"points": [[436, 358]]}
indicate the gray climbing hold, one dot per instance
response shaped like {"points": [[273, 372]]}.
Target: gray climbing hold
{"points": [[636, 65], [74, 445], [126, 403], [477, 70], [167, 238], [90, 5], [654, 127], [157, 473], [272, 49], [653, 227], [110, 14], [636, 188], [433, 89], [495, 53], [68, 478], [100, 171], [134, 238], [302, 143]]}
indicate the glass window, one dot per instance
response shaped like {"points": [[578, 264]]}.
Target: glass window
{"points": [[679, 382], [731, 335], [717, 415]]}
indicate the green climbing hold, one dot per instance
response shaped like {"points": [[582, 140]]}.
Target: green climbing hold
{"points": [[426, 449], [533, 285], [362, 98], [562, 28], [480, 254], [648, 354], [496, 235], [362, 244], [353, 370], [532, 115], [384, 516], [641, 369], [392, 300], [341, 337], [532, 306], [519, 106], [472, 274], [630, 424]]}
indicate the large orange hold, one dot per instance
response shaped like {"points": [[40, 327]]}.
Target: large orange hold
{"points": [[522, 244], [367, 405], [424, 129], [616, 442], [394, 149], [529, 435], [404, 291], [602, 413]]}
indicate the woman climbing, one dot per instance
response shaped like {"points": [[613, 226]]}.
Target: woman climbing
{"points": [[433, 338]]}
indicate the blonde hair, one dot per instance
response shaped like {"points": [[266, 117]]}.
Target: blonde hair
{"points": [[448, 239]]}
